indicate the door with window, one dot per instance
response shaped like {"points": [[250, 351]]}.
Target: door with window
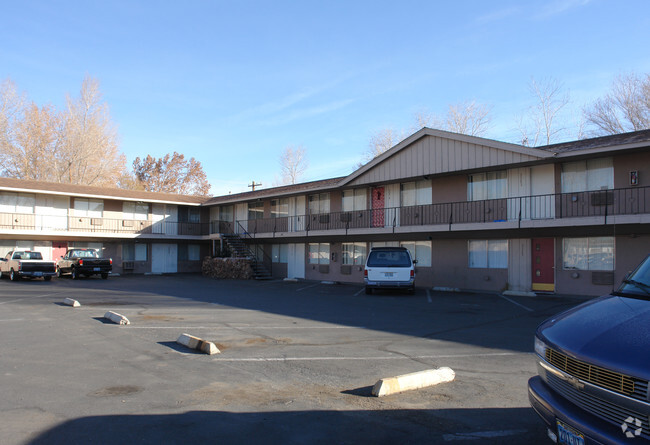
{"points": [[543, 258]]}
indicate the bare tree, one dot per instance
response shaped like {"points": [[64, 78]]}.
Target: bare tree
{"points": [[293, 164], [625, 108], [380, 142], [78, 145], [90, 150], [469, 118], [539, 125], [171, 174]]}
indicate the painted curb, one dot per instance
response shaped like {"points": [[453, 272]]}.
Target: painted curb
{"points": [[116, 318], [415, 380], [514, 293], [71, 302], [196, 343], [291, 280]]}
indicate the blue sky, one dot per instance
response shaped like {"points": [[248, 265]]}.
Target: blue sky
{"points": [[234, 83]]}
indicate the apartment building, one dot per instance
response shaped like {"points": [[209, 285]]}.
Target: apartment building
{"points": [[477, 214]]}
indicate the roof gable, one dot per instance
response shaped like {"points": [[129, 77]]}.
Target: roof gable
{"points": [[431, 152]]}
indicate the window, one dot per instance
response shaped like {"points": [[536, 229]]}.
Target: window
{"points": [[490, 254], [593, 174], [594, 253], [17, 202], [354, 200], [134, 252], [280, 253], [279, 208], [490, 185], [189, 252], [420, 251], [255, 210], [319, 203], [92, 208], [415, 193], [319, 253], [226, 213], [354, 254], [135, 210]]}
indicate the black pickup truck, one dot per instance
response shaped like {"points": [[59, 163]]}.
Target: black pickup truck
{"points": [[78, 262]]}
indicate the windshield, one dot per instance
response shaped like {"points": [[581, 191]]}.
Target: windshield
{"points": [[28, 256], [85, 254], [638, 282], [391, 258]]}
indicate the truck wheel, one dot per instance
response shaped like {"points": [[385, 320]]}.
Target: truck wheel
{"points": [[104, 276], [1, 276], [47, 278], [13, 276], [74, 273], [59, 274]]}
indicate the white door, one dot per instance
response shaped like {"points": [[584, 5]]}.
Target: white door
{"points": [[241, 218], [297, 214], [164, 258], [165, 219], [542, 186], [519, 265], [392, 204], [296, 261], [518, 192]]}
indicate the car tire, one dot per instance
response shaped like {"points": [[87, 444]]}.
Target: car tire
{"points": [[13, 276], [47, 278], [59, 274], [104, 276], [411, 291], [1, 276], [368, 291], [74, 274]]}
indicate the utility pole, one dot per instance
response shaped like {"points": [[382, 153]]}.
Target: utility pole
{"points": [[253, 185]]}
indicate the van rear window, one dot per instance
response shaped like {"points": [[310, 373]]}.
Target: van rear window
{"points": [[389, 259]]}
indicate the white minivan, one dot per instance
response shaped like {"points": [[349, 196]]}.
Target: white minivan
{"points": [[389, 268]]}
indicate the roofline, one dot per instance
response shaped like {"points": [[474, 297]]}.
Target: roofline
{"points": [[426, 131], [602, 149], [91, 195]]}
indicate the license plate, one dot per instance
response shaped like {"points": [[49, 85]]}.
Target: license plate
{"points": [[569, 436], [38, 274], [96, 269], [388, 274]]}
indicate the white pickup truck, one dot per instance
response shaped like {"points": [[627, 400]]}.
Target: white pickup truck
{"points": [[25, 263]]}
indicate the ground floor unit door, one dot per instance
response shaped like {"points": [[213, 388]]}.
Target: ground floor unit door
{"points": [[543, 257], [164, 258], [296, 261]]}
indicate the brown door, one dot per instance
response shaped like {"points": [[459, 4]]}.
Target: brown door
{"points": [[378, 199], [543, 264]]}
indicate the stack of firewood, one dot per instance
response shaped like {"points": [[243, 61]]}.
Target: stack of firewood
{"points": [[228, 268]]}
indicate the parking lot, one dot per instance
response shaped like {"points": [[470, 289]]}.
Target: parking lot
{"points": [[297, 364]]}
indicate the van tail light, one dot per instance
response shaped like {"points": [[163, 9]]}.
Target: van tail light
{"points": [[365, 273], [81, 262], [412, 273]]}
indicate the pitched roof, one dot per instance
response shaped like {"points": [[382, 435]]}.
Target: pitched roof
{"points": [[623, 140], [54, 188], [284, 190]]}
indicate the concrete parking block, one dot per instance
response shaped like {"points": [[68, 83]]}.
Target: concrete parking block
{"points": [[71, 302], [116, 318], [196, 343], [415, 380]]}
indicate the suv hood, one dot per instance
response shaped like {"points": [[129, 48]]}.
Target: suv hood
{"points": [[611, 331]]}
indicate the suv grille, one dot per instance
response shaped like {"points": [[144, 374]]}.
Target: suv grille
{"points": [[614, 381]]}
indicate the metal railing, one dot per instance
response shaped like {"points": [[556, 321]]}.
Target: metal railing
{"points": [[59, 223], [624, 201]]}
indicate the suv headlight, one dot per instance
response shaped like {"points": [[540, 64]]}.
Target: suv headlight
{"points": [[540, 347]]}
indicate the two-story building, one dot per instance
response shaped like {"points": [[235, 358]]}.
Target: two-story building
{"points": [[570, 218]]}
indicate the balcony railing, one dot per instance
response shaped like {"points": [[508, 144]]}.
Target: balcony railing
{"points": [[625, 201], [61, 223]]}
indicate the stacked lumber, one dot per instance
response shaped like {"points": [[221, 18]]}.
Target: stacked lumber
{"points": [[227, 268]]}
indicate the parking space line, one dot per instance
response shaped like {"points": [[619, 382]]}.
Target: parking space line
{"points": [[30, 297], [482, 435], [241, 327], [360, 290], [517, 304], [395, 357], [428, 296], [307, 287]]}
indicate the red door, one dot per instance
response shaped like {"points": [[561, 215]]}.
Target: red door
{"points": [[58, 250], [378, 199], [543, 264]]}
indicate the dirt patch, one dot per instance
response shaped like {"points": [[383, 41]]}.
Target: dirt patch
{"points": [[111, 391]]}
